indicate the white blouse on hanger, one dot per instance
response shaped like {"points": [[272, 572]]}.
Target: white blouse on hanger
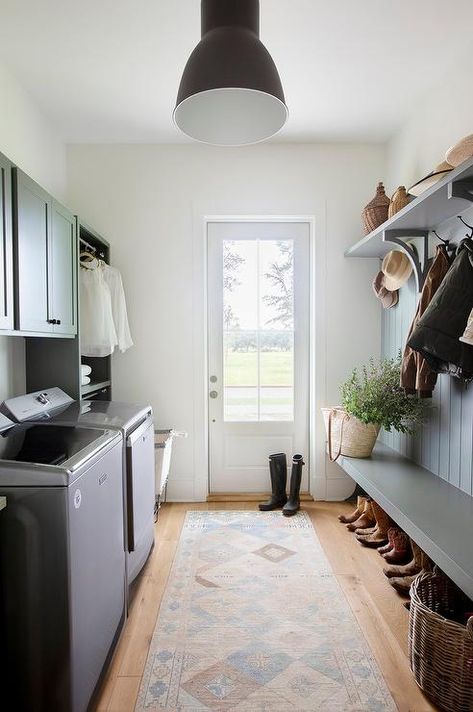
{"points": [[114, 280], [103, 317], [98, 336]]}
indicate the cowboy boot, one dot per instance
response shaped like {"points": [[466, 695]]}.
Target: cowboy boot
{"points": [[380, 536], [401, 551], [390, 545], [402, 584], [363, 531], [366, 520], [278, 475], [293, 503], [360, 503], [412, 568]]}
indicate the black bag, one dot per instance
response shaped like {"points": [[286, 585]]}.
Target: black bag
{"points": [[437, 334]]}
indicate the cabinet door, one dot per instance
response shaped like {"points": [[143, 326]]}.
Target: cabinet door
{"points": [[6, 246], [32, 215], [63, 270]]}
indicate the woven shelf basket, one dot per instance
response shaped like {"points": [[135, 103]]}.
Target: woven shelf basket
{"points": [[441, 650], [346, 435], [376, 212], [399, 201]]}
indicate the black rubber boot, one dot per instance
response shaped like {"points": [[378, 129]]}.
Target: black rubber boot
{"points": [[293, 504], [278, 474]]}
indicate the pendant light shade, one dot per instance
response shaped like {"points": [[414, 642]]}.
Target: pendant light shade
{"points": [[230, 92]]}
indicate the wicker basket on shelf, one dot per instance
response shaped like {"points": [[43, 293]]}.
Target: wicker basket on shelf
{"points": [[346, 435], [376, 212], [399, 201], [440, 649]]}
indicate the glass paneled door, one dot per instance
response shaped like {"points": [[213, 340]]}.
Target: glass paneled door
{"points": [[258, 335]]}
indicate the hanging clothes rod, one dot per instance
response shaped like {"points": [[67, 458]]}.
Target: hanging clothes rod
{"points": [[91, 247]]}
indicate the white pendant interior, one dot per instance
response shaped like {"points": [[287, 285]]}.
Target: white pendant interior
{"points": [[231, 116]]}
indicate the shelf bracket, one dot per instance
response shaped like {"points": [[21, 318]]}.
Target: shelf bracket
{"points": [[461, 189], [419, 264]]}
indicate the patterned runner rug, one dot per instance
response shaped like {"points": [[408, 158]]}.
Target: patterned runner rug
{"points": [[254, 620]]}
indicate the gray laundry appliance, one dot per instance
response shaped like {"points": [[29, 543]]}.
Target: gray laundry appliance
{"points": [[135, 423], [62, 562]]}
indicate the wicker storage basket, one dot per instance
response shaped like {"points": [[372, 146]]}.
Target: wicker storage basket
{"points": [[376, 212], [399, 201], [440, 650], [346, 435]]}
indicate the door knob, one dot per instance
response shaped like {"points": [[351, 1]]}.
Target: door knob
{"points": [[213, 394]]}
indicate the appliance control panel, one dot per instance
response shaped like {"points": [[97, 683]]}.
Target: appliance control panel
{"points": [[36, 405]]}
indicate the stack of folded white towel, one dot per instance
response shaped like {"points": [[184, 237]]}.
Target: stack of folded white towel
{"points": [[85, 372]]}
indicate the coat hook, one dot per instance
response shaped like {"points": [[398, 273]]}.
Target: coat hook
{"points": [[470, 227], [442, 239], [448, 245]]}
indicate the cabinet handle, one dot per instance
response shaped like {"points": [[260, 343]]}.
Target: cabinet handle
{"points": [[58, 321], [52, 321]]}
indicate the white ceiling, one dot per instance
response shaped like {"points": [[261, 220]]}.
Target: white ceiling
{"points": [[108, 70]]}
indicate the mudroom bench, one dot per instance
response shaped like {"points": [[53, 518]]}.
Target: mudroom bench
{"points": [[437, 515]]}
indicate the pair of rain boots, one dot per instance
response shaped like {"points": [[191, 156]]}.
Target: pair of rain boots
{"points": [[278, 474]]}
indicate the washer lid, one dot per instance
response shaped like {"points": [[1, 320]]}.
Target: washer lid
{"points": [[52, 445]]}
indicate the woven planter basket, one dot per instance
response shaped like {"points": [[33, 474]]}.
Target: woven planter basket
{"points": [[376, 212], [346, 435], [440, 650], [399, 201]]}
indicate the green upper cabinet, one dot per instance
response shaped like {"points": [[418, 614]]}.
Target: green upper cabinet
{"points": [[62, 270], [46, 261], [6, 246]]}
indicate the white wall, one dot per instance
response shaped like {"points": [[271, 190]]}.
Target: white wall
{"points": [[439, 118], [28, 139], [149, 201]]}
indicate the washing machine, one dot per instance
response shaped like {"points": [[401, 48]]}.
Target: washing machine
{"points": [[62, 561]]}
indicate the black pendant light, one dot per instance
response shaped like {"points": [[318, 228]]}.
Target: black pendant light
{"points": [[230, 92]]}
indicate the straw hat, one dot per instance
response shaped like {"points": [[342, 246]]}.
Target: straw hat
{"points": [[388, 299], [396, 269], [429, 180], [461, 151]]}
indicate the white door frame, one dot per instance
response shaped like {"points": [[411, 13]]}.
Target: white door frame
{"points": [[317, 349]]}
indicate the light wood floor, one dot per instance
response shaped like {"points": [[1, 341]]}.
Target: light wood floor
{"points": [[379, 610]]}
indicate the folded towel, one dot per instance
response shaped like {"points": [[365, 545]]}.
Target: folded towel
{"points": [[85, 370], [85, 380]]}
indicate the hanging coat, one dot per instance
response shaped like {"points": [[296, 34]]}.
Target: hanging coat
{"points": [[436, 336], [416, 374]]}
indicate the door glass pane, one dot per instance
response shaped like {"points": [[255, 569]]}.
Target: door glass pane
{"points": [[240, 375], [258, 324]]}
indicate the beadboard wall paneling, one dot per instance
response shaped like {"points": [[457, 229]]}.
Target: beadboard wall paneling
{"points": [[444, 444]]}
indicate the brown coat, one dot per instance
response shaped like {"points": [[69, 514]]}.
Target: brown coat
{"points": [[416, 375]]}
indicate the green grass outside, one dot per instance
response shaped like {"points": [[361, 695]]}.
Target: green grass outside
{"points": [[241, 368]]}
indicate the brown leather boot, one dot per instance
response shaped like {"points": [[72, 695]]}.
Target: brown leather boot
{"points": [[390, 545], [402, 584], [360, 503], [380, 536], [367, 518], [363, 531], [412, 568], [401, 552]]}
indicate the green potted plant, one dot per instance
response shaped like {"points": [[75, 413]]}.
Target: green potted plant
{"points": [[371, 399]]}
